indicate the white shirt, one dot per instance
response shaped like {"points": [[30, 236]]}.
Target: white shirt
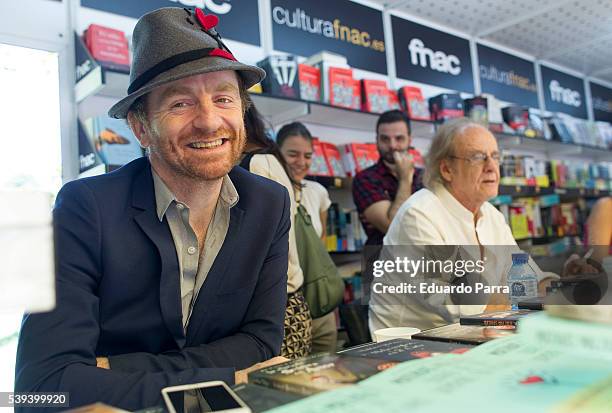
{"points": [[437, 218], [315, 199]]}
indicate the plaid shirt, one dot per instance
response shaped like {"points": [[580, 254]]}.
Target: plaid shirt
{"points": [[375, 184]]}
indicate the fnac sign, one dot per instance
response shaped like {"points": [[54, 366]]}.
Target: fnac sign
{"points": [[426, 55]]}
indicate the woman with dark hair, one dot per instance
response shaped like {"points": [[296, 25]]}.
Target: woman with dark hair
{"points": [[262, 157], [295, 143]]}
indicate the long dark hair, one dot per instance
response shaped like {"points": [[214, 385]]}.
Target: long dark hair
{"points": [[257, 136], [292, 129]]}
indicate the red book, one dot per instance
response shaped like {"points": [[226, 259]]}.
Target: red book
{"points": [[375, 96], [333, 158], [343, 91], [359, 156], [413, 103], [319, 164], [394, 102], [356, 95], [310, 82], [107, 45]]}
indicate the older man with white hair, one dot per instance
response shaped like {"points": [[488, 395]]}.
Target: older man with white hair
{"points": [[462, 174]]}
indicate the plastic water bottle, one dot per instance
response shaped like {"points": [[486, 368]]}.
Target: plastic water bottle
{"points": [[522, 280]]}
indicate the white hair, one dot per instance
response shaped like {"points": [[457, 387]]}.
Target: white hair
{"points": [[442, 147]]}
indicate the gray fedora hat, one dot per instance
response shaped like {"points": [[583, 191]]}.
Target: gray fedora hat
{"points": [[172, 43]]}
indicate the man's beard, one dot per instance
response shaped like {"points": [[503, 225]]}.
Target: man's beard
{"points": [[388, 157], [196, 169]]}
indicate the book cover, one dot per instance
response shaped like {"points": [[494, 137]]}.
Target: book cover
{"points": [[324, 61], [476, 110], [404, 350], [310, 82], [319, 372], [497, 318], [411, 100], [358, 156], [342, 88], [282, 78], [356, 95], [456, 333], [260, 398], [319, 164], [108, 46], [334, 159], [517, 117], [446, 106], [115, 141], [375, 96], [394, 103], [560, 131]]}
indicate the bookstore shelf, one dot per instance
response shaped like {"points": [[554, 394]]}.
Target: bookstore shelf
{"points": [[279, 110], [530, 191]]}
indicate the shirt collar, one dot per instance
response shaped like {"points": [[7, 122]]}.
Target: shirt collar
{"points": [[453, 205], [164, 197]]}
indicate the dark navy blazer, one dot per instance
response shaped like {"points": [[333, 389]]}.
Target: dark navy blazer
{"points": [[118, 294]]}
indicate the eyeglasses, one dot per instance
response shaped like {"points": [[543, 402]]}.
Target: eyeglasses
{"points": [[480, 158]]}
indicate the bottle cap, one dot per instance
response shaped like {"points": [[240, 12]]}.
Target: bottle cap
{"points": [[520, 258]]}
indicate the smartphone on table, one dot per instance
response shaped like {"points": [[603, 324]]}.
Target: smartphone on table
{"points": [[212, 396]]}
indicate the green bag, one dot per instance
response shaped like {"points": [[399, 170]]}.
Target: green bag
{"points": [[323, 287]]}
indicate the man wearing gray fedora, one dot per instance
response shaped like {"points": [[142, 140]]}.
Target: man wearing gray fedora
{"points": [[172, 269]]}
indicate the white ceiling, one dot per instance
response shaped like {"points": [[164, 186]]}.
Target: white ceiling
{"points": [[573, 34]]}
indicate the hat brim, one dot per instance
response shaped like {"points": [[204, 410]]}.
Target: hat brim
{"points": [[249, 74]]}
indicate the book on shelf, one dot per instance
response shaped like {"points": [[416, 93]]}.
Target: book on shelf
{"points": [[319, 372], [494, 108], [394, 103], [476, 109], [310, 82], [358, 156], [319, 165], [90, 162], [456, 333], [446, 106], [375, 96], [333, 159], [108, 46], [517, 117], [113, 140], [344, 90], [344, 231], [282, 76], [323, 61], [559, 130], [401, 350], [412, 102], [497, 318]]}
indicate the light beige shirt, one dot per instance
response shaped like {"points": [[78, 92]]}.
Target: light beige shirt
{"points": [[435, 217], [268, 166], [194, 267]]}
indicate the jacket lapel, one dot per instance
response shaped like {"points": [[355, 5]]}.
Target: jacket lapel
{"points": [[143, 199]]}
